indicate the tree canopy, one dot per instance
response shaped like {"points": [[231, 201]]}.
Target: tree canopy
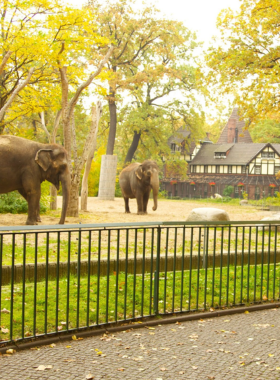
{"points": [[247, 62]]}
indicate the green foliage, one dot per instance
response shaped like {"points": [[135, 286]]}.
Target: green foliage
{"points": [[266, 131], [176, 168], [94, 174], [13, 203], [118, 192], [244, 195], [228, 190]]}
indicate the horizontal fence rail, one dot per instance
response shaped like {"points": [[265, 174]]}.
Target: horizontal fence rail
{"points": [[61, 279]]}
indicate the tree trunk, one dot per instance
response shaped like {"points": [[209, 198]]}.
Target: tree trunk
{"points": [[107, 180], [73, 206], [96, 114], [133, 147], [53, 202], [113, 123]]}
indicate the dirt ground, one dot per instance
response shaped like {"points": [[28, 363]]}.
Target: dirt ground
{"points": [[100, 211]]}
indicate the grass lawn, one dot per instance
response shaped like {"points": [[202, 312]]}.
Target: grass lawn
{"points": [[57, 305]]}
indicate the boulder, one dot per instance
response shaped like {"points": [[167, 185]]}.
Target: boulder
{"points": [[218, 196], [207, 214], [275, 217]]}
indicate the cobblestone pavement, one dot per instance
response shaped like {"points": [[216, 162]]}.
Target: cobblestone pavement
{"points": [[239, 346]]}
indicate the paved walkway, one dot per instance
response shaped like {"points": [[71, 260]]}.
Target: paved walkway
{"points": [[240, 346]]}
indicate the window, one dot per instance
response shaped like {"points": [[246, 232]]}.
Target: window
{"points": [[243, 169], [276, 169], [258, 169], [230, 169], [173, 147], [220, 155], [268, 155], [194, 168], [217, 169], [205, 168]]}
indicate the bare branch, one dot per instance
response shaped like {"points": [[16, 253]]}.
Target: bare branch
{"points": [[43, 124], [5, 59], [90, 79], [15, 92], [56, 124]]}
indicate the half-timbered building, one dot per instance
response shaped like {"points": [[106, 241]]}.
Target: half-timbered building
{"points": [[234, 161]]}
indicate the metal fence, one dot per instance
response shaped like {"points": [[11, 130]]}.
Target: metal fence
{"points": [[57, 279]]}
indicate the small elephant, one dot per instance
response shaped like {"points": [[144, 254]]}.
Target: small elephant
{"points": [[25, 164], [136, 181]]}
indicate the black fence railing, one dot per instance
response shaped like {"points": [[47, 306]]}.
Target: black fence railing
{"points": [[57, 279]]}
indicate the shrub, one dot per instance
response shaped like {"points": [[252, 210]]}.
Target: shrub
{"points": [[14, 203], [228, 190]]}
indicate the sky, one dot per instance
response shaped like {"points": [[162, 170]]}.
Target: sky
{"points": [[197, 15]]}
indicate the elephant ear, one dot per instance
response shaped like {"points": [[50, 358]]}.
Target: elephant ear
{"points": [[139, 172], [43, 158]]}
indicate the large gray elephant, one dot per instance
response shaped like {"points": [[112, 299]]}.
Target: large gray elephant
{"points": [[25, 164], [136, 181]]}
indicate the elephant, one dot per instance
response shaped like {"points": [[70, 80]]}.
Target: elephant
{"points": [[25, 164], [136, 181]]}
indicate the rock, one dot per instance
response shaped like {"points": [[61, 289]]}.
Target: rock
{"points": [[218, 196], [207, 214], [275, 217], [244, 202]]}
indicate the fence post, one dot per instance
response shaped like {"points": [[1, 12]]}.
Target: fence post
{"points": [[156, 274]]}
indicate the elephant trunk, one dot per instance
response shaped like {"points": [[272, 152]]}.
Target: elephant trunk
{"points": [[65, 183], [155, 186]]}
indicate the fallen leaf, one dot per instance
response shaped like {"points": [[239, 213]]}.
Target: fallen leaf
{"points": [[74, 337], [270, 355], [181, 372], [5, 331], [163, 369], [265, 298], [211, 309], [52, 345], [43, 367], [5, 311], [246, 312], [194, 367], [10, 351], [68, 346], [89, 376], [121, 369], [59, 328]]}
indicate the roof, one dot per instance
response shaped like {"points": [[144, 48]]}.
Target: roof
{"points": [[180, 135], [234, 122], [239, 154], [223, 148]]}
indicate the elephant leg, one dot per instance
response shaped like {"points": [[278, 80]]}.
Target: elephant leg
{"points": [[145, 201], [32, 193], [126, 205], [139, 199], [23, 193]]}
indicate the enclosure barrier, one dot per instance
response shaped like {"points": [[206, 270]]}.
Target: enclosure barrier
{"points": [[62, 279]]}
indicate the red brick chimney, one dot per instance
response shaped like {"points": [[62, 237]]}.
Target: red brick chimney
{"points": [[231, 130]]}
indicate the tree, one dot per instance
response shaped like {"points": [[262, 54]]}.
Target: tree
{"points": [[68, 106], [96, 114], [247, 63], [25, 50], [149, 50], [266, 131]]}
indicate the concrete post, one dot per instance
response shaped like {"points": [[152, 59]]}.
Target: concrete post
{"points": [[107, 180]]}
